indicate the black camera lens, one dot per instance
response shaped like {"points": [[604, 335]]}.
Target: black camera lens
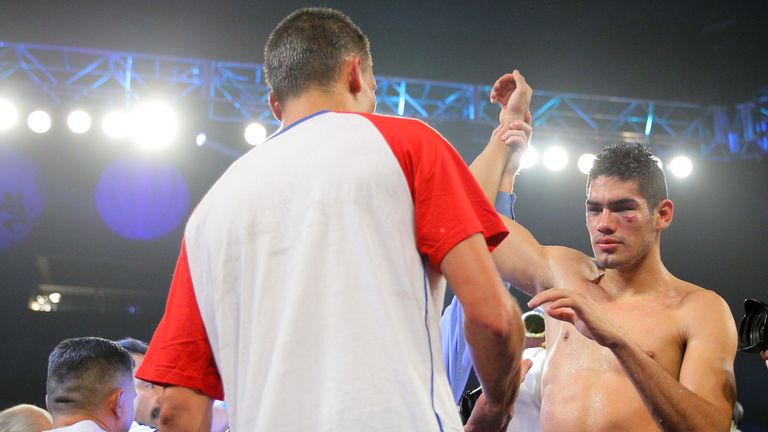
{"points": [[534, 324], [753, 328]]}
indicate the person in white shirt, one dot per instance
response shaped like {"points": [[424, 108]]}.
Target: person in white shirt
{"points": [[90, 386]]}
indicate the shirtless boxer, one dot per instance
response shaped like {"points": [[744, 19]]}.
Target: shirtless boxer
{"points": [[630, 346]]}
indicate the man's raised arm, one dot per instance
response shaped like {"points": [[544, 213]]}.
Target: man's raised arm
{"points": [[520, 259]]}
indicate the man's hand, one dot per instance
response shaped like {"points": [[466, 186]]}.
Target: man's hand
{"points": [[487, 418], [764, 356], [516, 137], [581, 312], [514, 95]]}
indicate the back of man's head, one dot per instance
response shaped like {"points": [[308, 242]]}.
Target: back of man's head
{"points": [[308, 48], [25, 418], [83, 372], [632, 162]]}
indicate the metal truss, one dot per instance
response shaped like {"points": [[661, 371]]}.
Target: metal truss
{"points": [[237, 92]]}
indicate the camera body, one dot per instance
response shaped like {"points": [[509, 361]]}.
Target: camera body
{"points": [[753, 328]]}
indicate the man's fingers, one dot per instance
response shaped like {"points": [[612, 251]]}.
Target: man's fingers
{"points": [[514, 135], [546, 296], [522, 126], [564, 302], [502, 88], [562, 314]]}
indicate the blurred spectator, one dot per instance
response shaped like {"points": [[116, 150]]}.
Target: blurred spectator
{"points": [[25, 418], [147, 404]]}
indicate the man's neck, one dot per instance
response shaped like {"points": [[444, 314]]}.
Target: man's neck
{"points": [[311, 102], [63, 420], [644, 276]]}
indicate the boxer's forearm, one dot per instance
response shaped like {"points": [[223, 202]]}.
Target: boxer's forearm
{"points": [[489, 165], [672, 406]]}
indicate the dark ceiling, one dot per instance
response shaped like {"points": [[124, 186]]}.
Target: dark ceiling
{"points": [[712, 52]]}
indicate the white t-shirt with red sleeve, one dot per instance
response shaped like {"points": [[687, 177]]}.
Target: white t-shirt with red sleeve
{"points": [[301, 295]]}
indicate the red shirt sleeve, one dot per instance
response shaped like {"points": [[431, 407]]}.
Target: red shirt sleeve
{"points": [[179, 353], [450, 205]]}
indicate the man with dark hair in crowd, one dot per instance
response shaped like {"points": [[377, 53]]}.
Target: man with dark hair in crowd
{"points": [[630, 346], [309, 284], [147, 394], [90, 386]]}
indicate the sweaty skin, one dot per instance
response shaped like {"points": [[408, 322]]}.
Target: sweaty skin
{"points": [[630, 346]]}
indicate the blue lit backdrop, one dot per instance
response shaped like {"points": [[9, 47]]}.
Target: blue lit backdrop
{"points": [[142, 199], [21, 200]]}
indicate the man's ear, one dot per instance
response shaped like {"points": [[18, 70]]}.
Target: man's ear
{"points": [[113, 402], [354, 73], [47, 404], [665, 212], [274, 105]]}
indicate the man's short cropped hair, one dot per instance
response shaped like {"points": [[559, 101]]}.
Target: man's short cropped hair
{"points": [[632, 162], [307, 49], [82, 372], [133, 346]]}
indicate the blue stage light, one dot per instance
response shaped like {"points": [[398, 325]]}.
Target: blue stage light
{"points": [[142, 199], [21, 199]]}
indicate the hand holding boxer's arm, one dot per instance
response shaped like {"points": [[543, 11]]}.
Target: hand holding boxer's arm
{"points": [[501, 157], [520, 259]]}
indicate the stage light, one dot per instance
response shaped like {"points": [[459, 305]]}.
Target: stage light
{"points": [[681, 167], [8, 114], [39, 122], [255, 134], [116, 124], [555, 158], [41, 303], [585, 162], [200, 139], [54, 297], [154, 125], [530, 158], [79, 122]]}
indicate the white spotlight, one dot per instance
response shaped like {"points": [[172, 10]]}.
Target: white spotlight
{"points": [[530, 158], [116, 124], [681, 166], [79, 122], [39, 122], [154, 125], [585, 162], [255, 134], [555, 158], [8, 114], [54, 297], [200, 139]]}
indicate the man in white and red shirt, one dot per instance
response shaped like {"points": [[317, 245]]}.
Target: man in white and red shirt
{"points": [[308, 290]]}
